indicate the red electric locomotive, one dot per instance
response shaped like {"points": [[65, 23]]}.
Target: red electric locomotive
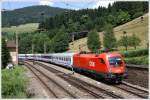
{"points": [[109, 65]]}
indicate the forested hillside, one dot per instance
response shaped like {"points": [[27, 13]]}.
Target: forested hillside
{"points": [[89, 19], [53, 34], [136, 26], [32, 14]]}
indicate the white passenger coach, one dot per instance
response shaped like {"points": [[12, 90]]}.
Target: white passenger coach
{"points": [[65, 59]]}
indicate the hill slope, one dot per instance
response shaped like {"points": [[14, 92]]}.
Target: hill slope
{"points": [[30, 27], [30, 14], [136, 26]]}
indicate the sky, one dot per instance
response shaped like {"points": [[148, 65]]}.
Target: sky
{"points": [[68, 4]]}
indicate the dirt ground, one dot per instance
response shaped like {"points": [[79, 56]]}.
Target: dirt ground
{"points": [[138, 77]]}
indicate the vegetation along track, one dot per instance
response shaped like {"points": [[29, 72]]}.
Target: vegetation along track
{"points": [[84, 86], [35, 70], [133, 90]]}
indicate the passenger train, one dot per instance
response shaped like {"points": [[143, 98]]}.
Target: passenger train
{"points": [[110, 66]]}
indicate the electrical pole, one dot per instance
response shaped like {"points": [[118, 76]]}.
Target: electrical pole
{"points": [[16, 47], [42, 14], [44, 47], [73, 39], [32, 48], [125, 33]]}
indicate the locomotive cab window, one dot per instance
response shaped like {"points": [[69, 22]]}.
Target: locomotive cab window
{"points": [[102, 61], [115, 61]]}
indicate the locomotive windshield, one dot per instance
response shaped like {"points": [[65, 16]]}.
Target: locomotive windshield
{"points": [[115, 61]]}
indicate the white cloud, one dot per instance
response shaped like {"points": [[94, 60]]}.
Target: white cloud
{"points": [[19, 0], [76, 4], [102, 3], [73, 1], [46, 2]]}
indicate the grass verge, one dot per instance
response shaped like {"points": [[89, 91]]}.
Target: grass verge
{"points": [[14, 83]]}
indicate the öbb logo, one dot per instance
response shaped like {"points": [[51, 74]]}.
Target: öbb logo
{"points": [[91, 63]]}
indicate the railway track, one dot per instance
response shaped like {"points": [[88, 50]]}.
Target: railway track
{"points": [[83, 86], [41, 75], [138, 75], [142, 93], [139, 67]]}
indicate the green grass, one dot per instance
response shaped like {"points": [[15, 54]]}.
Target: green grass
{"points": [[133, 27], [31, 27], [14, 83]]}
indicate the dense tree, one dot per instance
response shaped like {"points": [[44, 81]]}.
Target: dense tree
{"points": [[134, 41], [32, 14], [39, 40], [9, 35], [60, 43], [5, 54], [123, 17], [109, 39], [25, 43], [93, 41]]}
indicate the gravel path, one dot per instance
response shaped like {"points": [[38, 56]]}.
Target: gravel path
{"points": [[35, 88]]}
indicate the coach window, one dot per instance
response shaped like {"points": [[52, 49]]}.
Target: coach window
{"points": [[64, 59]]}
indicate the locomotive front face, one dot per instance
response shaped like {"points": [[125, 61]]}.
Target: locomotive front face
{"points": [[116, 64], [117, 68]]}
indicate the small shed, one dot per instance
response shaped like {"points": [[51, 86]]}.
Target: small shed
{"points": [[11, 45]]}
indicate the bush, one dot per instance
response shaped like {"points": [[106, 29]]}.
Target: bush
{"points": [[135, 53], [14, 83], [137, 60]]}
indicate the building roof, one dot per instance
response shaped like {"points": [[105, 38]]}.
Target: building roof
{"points": [[11, 44]]}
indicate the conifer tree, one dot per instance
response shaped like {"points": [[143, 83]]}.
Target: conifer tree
{"points": [[93, 41], [5, 54], [61, 41], [109, 39]]}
